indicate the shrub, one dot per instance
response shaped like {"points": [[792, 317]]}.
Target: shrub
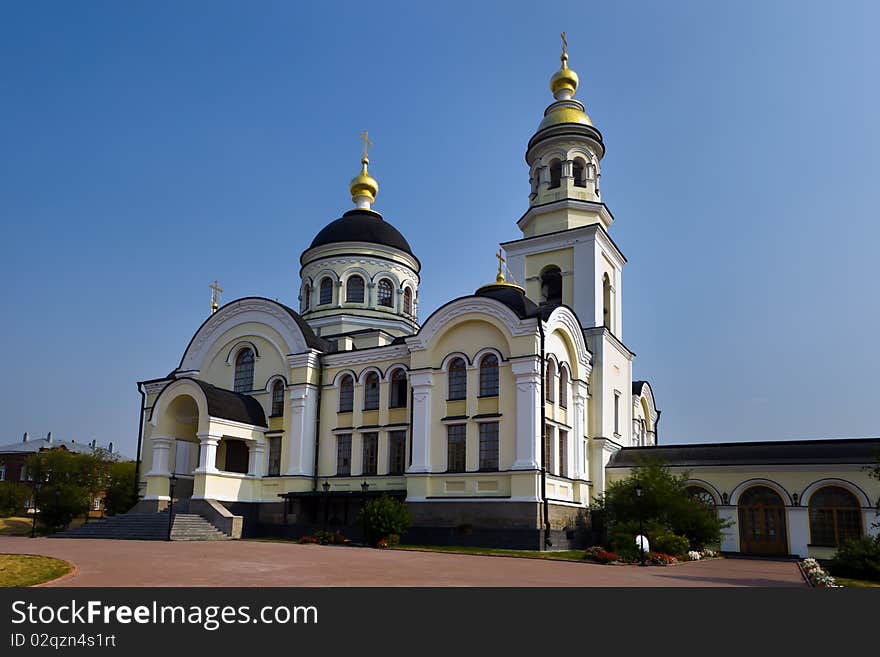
{"points": [[382, 518], [677, 546], [660, 559], [599, 554], [858, 558], [12, 499]]}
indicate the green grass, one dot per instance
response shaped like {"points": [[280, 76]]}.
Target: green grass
{"points": [[15, 526], [561, 555], [30, 569], [856, 583]]}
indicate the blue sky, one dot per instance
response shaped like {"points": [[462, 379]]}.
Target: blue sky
{"points": [[147, 148]]}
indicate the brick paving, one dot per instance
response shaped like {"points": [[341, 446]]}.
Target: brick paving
{"points": [[258, 563]]}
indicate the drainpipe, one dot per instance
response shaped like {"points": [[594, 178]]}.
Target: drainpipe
{"points": [[137, 466], [317, 423], [547, 541], [657, 429]]}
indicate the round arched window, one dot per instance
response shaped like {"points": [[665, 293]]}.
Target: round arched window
{"points": [[354, 290], [835, 516], [385, 295], [244, 371]]}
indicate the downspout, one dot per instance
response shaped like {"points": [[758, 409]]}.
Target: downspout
{"points": [[318, 422], [547, 540], [657, 429], [137, 466]]}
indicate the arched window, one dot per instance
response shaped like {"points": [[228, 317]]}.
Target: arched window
{"points": [[326, 293], [606, 302], [354, 289], [550, 383], [563, 387], [278, 398], [579, 170], [386, 294], [835, 516], [551, 286], [701, 495], [371, 392], [555, 174], [457, 379], [244, 371], [407, 301], [489, 376], [398, 389], [307, 296], [346, 394]]}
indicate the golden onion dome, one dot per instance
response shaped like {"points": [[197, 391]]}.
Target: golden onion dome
{"points": [[565, 112], [564, 82], [364, 184]]}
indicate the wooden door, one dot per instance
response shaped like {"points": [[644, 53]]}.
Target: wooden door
{"points": [[762, 522]]}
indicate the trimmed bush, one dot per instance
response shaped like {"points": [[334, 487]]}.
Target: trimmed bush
{"points": [[858, 559], [677, 546], [12, 499], [382, 518]]}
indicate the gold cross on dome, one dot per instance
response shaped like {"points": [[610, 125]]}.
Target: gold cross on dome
{"points": [[216, 291], [365, 135], [564, 44], [501, 261]]}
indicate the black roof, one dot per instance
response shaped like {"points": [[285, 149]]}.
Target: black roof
{"points": [[362, 226], [512, 297], [782, 452], [230, 405]]}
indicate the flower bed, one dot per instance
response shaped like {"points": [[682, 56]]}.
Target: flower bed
{"points": [[324, 538], [598, 554], [697, 555], [817, 575]]}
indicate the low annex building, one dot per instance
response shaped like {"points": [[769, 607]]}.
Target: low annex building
{"points": [[497, 418]]}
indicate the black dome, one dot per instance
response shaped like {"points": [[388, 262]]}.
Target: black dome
{"points": [[512, 297], [362, 226]]}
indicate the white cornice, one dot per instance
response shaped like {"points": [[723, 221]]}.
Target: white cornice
{"points": [[372, 355], [568, 204], [563, 238], [327, 251]]}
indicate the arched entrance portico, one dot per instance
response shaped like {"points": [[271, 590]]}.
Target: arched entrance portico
{"points": [[762, 527]]}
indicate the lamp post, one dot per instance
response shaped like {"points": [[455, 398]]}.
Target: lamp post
{"points": [[172, 479], [641, 530], [326, 487], [57, 503], [36, 492]]}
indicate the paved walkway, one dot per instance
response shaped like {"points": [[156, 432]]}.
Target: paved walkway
{"points": [[257, 563]]}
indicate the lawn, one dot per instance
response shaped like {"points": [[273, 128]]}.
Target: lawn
{"points": [[15, 526], [856, 583], [30, 569], [562, 555]]}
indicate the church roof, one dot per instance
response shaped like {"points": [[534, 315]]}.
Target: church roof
{"points": [[231, 405], [780, 452], [361, 225], [511, 296]]}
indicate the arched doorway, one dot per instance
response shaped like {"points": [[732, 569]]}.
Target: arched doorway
{"points": [[762, 522]]}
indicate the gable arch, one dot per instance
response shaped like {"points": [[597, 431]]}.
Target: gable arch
{"points": [[705, 485], [565, 322], [159, 415], [248, 310]]}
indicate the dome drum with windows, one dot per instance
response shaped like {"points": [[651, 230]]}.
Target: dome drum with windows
{"points": [[360, 274]]}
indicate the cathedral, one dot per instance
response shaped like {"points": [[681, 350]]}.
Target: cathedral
{"points": [[497, 419]]}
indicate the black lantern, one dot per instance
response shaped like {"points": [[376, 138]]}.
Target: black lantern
{"points": [[365, 487], [172, 479], [641, 530], [326, 486], [794, 499]]}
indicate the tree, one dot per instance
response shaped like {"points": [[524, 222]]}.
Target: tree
{"points": [[665, 507], [12, 498], [119, 496], [68, 482], [384, 519]]}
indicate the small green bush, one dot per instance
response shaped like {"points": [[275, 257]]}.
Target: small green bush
{"points": [[858, 559], [382, 518], [12, 499], [677, 546]]}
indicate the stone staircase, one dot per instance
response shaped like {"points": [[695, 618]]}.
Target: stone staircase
{"points": [[148, 527]]}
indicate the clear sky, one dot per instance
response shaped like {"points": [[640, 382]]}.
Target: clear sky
{"points": [[147, 148]]}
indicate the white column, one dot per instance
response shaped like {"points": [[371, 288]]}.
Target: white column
{"points": [[527, 374], [255, 458], [729, 536], [422, 384], [161, 455], [208, 452], [798, 521], [301, 448], [579, 395]]}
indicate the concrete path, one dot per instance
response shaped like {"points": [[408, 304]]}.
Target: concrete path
{"points": [[257, 563]]}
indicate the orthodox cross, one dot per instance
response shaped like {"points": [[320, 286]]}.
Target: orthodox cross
{"points": [[216, 291], [501, 262], [365, 135], [564, 44]]}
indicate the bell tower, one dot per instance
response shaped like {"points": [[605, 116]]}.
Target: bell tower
{"points": [[566, 255]]}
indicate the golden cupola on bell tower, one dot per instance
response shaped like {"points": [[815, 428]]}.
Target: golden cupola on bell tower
{"points": [[565, 152]]}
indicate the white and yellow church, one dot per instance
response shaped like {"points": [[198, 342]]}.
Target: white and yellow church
{"points": [[498, 418]]}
